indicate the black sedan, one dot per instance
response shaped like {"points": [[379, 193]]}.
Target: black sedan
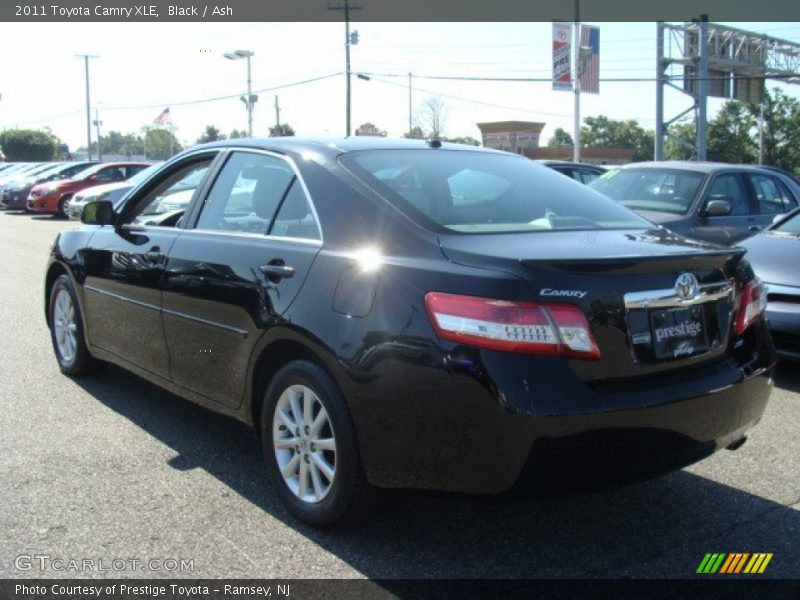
{"points": [[397, 313], [714, 202], [583, 172], [775, 256]]}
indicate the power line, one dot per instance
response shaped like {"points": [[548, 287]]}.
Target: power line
{"points": [[226, 97]]}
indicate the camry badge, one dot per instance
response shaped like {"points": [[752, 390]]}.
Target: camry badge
{"points": [[686, 286]]}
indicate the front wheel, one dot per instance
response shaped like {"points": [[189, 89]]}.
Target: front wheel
{"points": [[63, 207], [309, 445], [66, 331]]}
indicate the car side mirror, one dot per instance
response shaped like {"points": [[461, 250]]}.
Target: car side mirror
{"points": [[777, 218], [99, 212], [718, 208]]}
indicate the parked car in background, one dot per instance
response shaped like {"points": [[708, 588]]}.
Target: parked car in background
{"points": [[112, 192], [775, 257], [21, 170], [54, 197], [403, 313], [714, 202], [14, 195], [585, 173]]}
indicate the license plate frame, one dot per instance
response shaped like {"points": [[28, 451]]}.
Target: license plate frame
{"points": [[675, 332]]}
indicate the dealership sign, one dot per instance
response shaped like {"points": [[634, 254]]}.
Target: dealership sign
{"points": [[562, 51]]}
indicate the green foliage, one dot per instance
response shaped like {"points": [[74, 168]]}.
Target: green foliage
{"points": [[281, 130], [28, 145], [680, 141], [781, 130], [612, 133], [416, 133], [560, 138], [211, 134], [729, 135], [237, 134], [161, 144]]}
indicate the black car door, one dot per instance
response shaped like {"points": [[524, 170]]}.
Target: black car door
{"points": [[236, 270], [724, 229], [124, 267]]}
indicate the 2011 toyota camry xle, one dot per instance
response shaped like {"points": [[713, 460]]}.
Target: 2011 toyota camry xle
{"points": [[415, 314]]}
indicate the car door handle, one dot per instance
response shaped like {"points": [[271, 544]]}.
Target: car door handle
{"points": [[755, 228], [277, 270]]}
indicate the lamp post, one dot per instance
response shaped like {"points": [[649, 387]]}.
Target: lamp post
{"points": [[250, 100], [86, 58]]}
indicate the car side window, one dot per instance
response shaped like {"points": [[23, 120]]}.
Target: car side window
{"points": [[295, 218], [110, 174], [585, 175], [789, 199], [729, 187], [246, 193], [773, 198], [165, 204]]}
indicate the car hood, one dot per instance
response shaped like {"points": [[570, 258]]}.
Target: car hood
{"points": [[774, 257], [99, 190]]}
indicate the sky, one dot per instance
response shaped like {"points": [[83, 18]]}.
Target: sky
{"points": [[143, 68]]}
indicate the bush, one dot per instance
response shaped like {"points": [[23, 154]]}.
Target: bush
{"points": [[27, 145]]}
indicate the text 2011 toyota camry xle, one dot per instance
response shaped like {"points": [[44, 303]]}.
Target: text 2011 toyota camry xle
{"points": [[412, 314]]}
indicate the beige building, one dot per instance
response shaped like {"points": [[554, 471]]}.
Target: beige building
{"points": [[593, 155], [511, 136]]}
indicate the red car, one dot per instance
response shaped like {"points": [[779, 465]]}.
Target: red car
{"points": [[53, 197]]}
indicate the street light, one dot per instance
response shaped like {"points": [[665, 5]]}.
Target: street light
{"points": [[250, 99]]}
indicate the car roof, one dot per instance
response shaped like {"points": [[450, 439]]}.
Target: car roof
{"points": [[697, 166], [334, 146], [569, 163]]}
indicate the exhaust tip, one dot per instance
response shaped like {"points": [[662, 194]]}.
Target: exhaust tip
{"points": [[737, 444]]}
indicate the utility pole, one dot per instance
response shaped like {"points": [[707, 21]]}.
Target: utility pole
{"points": [[97, 122], [658, 151], [702, 90], [410, 120], [576, 148], [277, 114], [86, 58], [346, 7], [761, 133]]}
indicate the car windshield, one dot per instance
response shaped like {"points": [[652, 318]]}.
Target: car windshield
{"points": [[482, 192], [791, 225], [659, 190]]}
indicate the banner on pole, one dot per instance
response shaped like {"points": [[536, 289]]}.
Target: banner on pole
{"points": [[562, 50], [590, 59]]}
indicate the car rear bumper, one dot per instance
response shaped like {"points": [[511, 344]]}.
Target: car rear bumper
{"points": [[13, 201], [784, 323], [475, 432]]}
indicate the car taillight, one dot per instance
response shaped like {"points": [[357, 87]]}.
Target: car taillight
{"points": [[523, 327], [752, 305]]}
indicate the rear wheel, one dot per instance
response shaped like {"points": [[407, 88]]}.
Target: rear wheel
{"points": [[66, 331], [310, 446]]}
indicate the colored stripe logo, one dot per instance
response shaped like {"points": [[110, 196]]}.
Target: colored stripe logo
{"points": [[734, 563]]}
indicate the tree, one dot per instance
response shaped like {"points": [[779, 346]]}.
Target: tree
{"points": [[729, 135], [237, 134], [416, 133], [781, 130], [612, 133], [680, 142], [432, 116], [281, 130], [161, 144], [28, 145], [560, 138], [211, 134], [468, 140]]}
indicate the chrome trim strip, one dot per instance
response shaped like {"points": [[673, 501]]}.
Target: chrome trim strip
{"points": [[257, 236], [123, 298], [669, 299], [228, 328]]}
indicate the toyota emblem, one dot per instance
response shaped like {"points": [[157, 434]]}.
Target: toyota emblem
{"points": [[686, 286]]}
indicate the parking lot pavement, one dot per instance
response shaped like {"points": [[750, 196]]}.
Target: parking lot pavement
{"points": [[114, 468]]}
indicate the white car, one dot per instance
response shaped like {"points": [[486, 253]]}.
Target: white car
{"points": [[109, 191]]}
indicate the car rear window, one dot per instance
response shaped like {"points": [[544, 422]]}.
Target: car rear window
{"points": [[660, 190], [482, 192]]}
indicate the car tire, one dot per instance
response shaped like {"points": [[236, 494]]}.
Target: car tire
{"points": [[66, 331], [63, 207], [298, 440]]}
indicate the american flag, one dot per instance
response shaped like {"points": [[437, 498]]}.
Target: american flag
{"points": [[590, 63], [164, 118]]}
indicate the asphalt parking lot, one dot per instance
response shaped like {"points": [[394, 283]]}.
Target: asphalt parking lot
{"points": [[114, 468]]}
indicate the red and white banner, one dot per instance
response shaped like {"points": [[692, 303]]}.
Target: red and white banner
{"points": [[562, 55]]}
